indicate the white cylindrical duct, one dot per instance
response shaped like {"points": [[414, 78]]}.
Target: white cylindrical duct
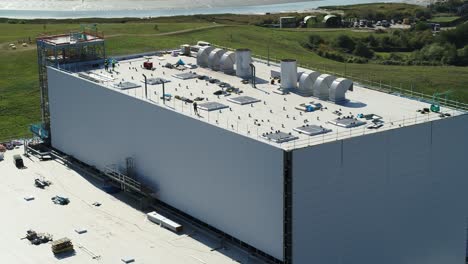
{"points": [[243, 61], [214, 60], [203, 56], [322, 86], [288, 74], [339, 88], [306, 82], [227, 62]]}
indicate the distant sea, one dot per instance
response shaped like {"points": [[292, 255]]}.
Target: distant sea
{"points": [[28, 9]]}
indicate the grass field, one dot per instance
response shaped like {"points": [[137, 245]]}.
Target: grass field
{"points": [[443, 19], [19, 94]]}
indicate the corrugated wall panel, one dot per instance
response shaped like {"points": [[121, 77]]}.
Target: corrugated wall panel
{"points": [[394, 197]]}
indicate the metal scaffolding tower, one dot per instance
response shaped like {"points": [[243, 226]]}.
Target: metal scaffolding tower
{"points": [[61, 51]]}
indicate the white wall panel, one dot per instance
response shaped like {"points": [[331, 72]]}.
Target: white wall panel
{"points": [[231, 182], [394, 197]]}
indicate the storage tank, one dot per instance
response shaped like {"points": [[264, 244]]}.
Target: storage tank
{"points": [[339, 88], [243, 61], [203, 55], [214, 59], [322, 86], [227, 62], [288, 74], [306, 83]]}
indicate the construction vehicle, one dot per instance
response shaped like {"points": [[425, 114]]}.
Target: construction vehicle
{"points": [[37, 238], [62, 245], [436, 98]]}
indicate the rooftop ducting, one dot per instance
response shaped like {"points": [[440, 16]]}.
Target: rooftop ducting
{"points": [[289, 74], [185, 50], [339, 88], [306, 83], [227, 62], [322, 86], [203, 56], [243, 61], [214, 60]]}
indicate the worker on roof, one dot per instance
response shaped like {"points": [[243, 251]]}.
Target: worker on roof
{"points": [[106, 64], [195, 108]]}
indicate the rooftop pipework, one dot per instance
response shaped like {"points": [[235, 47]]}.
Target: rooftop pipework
{"points": [[306, 83], [214, 60], [322, 86], [203, 56], [288, 74], [339, 88], [227, 62], [243, 61]]}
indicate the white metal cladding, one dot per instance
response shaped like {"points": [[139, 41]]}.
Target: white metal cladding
{"points": [[339, 88], [203, 56], [322, 86], [289, 74], [227, 62], [243, 61], [214, 59], [217, 176], [397, 196], [306, 83]]}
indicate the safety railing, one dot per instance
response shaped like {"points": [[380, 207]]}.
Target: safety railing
{"points": [[229, 123]]}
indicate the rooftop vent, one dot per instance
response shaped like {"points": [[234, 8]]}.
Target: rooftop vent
{"points": [[243, 100], [243, 61], [212, 106], [312, 130], [288, 74], [279, 137], [306, 83], [322, 86], [214, 60], [339, 88], [347, 122], [227, 62], [203, 56]]}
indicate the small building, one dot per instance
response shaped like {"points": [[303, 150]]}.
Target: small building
{"points": [[287, 22], [332, 21], [310, 20]]}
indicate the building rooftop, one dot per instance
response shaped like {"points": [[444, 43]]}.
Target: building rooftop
{"points": [[72, 38], [106, 234], [261, 112]]}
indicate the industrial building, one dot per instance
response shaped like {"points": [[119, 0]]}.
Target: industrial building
{"points": [[295, 165]]}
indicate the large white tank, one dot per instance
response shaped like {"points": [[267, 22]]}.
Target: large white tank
{"points": [[288, 74], [215, 59], [243, 61], [322, 86], [203, 55], [306, 83]]}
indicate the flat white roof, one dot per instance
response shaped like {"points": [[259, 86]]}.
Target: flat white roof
{"points": [[66, 39], [115, 230], [274, 111]]}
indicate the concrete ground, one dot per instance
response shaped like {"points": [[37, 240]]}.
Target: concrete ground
{"points": [[114, 230]]}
